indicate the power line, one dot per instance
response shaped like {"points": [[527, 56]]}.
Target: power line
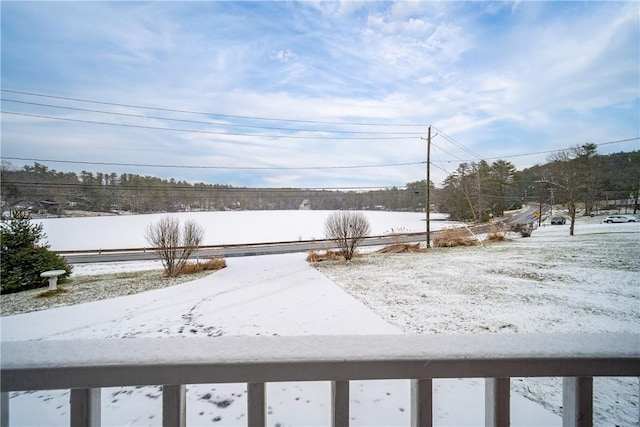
{"points": [[301, 167], [210, 114], [215, 167], [439, 167], [72, 190], [195, 187], [201, 131], [458, 144], [538, 152], [200, 122], [449, 153]]}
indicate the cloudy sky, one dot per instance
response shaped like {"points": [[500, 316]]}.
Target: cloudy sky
{"points": [[314, 94]]}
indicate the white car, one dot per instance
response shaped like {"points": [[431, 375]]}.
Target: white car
{"points": [[620, 218]]}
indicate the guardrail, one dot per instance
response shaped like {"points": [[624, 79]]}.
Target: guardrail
{"points": [[176, 362], [230, 250], [388, 237]]}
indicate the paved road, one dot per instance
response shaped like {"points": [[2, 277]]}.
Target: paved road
{"points": [[527, 215], [79, 257]]}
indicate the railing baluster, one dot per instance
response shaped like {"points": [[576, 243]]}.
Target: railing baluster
{"points": [[4, 409], [340, 403], [85, 407], [174, 407], [577, 401], [422, 403], [497, 411], [256, 403]]}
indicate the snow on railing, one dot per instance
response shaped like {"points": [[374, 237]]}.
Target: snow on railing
{"points": [[86, 366]]}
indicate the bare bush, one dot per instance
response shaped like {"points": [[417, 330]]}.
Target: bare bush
{"points": [[497, 233], [347, 229], [174, 246], [451, 237], [525, 230]]}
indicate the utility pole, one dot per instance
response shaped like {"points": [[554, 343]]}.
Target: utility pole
{"points": [[427, 205], [427, 201], [542, 181]]}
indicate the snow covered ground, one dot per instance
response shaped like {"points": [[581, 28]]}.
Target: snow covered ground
{"points": [[127, 231], [549, 282]]}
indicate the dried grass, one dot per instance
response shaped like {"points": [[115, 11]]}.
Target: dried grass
{"points": [[452, 237], [52, 292], [212, 264], [401, 248], [330, 255]]}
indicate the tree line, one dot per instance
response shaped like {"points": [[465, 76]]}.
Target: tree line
{"points": [[38, 187], [475, 191], [576, 177]]}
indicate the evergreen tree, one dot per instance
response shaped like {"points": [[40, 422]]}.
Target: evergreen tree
{"points": [[22, 258]]}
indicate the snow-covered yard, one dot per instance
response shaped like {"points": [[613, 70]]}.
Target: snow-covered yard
{"points": [[548, 282]]}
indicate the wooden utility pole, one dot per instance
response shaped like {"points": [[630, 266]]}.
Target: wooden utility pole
{"points": [[542, 181], [540, 209], [427, 205]]}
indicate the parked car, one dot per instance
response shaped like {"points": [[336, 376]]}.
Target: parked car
{"points": [[620, 218], [558, 220]]}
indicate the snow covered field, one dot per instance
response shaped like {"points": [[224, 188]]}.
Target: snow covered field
{"points": [[127, 231], [549, 282]]}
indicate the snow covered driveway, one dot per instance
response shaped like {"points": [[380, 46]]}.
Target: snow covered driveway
{"points": [[268, 295]]}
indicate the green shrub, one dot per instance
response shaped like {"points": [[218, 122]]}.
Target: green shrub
{"points": [[22, 259]]}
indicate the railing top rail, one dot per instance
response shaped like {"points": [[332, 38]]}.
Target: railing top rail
{"points": [[49, 364]]}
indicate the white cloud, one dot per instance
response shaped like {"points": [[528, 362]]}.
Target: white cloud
{"points": [[499, 77], [283, 55]]}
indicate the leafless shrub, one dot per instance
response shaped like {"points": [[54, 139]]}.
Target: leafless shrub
{"points": [[347, 229], [525, 230], [174, 246], [497, 233], [451, 237]]}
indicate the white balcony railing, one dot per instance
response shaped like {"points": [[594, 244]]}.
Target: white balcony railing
{"points": [[85, 366]]}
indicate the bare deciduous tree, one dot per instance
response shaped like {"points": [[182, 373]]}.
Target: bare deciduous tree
{"points": [[568, 174], [174, 246], [347, 229]]}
